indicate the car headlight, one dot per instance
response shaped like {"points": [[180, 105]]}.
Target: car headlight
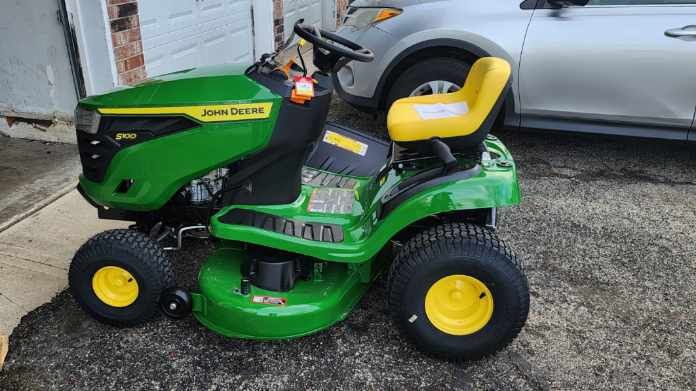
{"points": [[87, 120], [363, 17]]}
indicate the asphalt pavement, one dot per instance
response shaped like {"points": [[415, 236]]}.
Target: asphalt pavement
{"points": [[606, 229]]}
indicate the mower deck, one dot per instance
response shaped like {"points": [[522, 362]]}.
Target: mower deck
{"points": [[338, 175], [312, 305]]}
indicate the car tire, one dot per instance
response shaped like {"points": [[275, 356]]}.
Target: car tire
{"points": [[457, 292], [442, 68], [118, 277]]}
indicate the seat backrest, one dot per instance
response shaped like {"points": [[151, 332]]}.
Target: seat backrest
{"points": [[485, 90], [488, 80]]}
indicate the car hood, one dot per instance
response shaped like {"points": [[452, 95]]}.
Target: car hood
{"points": [[389, 3]]}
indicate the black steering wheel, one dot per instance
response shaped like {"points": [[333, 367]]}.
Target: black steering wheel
{"points": [[336, 47]]}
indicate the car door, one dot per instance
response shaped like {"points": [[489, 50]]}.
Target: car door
{"points": [[612, 66]]}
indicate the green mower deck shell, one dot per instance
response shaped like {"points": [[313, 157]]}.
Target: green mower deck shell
{"points": [[310, 306], [364, 233], [161, 166]]}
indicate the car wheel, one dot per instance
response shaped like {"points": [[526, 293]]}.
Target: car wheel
{"points": [[432, 76]]}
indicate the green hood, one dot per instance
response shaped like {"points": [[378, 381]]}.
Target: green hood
{"points": [[218, 84]]}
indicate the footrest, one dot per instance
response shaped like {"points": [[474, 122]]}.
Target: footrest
{"points": [[345, 151], [319, 232]]}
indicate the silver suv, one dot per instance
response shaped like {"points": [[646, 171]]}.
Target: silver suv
{"points": [[624, 67]]}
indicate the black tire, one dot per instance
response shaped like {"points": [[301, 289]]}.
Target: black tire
{"points": [[441, 68], [458, 249], [127, 249]]}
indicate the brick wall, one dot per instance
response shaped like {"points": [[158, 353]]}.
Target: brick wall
{"points": [[278, 24], [125, 36], [341, 8]]}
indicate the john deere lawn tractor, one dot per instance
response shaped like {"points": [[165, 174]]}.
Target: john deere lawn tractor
{"points": [[305, 214]]}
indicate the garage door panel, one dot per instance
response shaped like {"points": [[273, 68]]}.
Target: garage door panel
{"points": [[209, 5], [181, 34], [309, 10]]}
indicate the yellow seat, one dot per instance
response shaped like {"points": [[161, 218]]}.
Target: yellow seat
{"points": [[483, 93]]}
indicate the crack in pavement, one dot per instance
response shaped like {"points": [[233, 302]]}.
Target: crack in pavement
{"points": [[12, 301], [31, 261]]}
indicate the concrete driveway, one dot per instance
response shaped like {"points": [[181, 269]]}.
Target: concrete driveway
{"points": [[606, 230], [41, 223], [32, 175]]}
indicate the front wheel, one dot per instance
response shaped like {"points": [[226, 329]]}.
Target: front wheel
{"points": [[118, 277], [457, 292]]}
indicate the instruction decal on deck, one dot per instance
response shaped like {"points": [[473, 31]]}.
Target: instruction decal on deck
{"points": [[346, 143], [269, 300], [331, 201]]}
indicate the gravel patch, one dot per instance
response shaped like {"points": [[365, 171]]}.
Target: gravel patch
{"points": [[605, 229]]}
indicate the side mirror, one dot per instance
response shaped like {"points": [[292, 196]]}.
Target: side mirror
{"points": [[568, 3]]}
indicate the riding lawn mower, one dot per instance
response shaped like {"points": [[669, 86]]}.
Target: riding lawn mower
{"points": [[305, 214]]}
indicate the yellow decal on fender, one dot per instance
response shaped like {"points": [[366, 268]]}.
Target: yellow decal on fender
{"points": [[215, 113], [346, 143]]}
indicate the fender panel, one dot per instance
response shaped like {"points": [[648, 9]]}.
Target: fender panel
{"points": [[495, 186]]}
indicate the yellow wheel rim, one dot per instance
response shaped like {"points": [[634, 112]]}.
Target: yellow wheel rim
{"points": [[115, 286], [459, 305]]}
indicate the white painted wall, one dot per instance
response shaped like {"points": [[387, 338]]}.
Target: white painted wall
{"points": [[35, 75], [90, 20], [264, 40]]}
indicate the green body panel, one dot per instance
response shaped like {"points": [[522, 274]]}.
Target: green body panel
{"points": [[161, 166], [310, 306], [364, 233]]}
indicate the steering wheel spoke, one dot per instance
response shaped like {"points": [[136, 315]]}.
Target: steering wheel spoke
{"points": [[332, 48]]}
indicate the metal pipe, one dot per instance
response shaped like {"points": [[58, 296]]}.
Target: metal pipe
{"points": [[180, 236]]}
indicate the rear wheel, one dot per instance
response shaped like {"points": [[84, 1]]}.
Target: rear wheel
{"points": [[457, 292], [432, 76], [118, 277]]}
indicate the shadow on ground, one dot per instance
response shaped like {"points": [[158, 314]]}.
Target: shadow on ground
{"points": [[606, 229]]}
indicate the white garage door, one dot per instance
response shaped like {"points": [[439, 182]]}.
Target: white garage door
{"points": [[180, 34], [294, 10]]}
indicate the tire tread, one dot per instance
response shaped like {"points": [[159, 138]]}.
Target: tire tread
{"points": [[137, 244], [424, 247]]}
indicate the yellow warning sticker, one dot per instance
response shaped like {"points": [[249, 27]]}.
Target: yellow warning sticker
{"points": [[346, 143], [215, 113]]}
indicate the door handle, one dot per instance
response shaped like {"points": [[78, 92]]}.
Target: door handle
{"points": [[686, 31]]}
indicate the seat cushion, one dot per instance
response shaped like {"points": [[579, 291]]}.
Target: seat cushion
{"points": [[462, 113], [406, 123]]}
